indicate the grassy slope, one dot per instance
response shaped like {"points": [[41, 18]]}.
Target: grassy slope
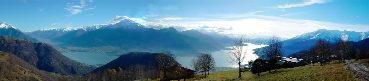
{"points": [[330, 72]]}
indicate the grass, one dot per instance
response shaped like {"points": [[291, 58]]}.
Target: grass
{"points": [[329, 72]]}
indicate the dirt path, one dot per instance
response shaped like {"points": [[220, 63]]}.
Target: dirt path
{"points": [[359, 70]]}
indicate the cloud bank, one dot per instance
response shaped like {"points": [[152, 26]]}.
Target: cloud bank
{"points": [[257, 25]]}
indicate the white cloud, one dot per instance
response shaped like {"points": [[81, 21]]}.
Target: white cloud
{"points": [[76, 8], [302, 4]]}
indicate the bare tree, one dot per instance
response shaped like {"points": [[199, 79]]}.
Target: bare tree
{"points": [[196, 65], [321, 51], [204, 63], [273, 52], [237, 53], [342, 49], [165, 61]]}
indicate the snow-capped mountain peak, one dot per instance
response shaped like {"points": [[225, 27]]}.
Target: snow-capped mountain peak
{"points": [[118, 21], [5, 25], [126, 21], [69, 29]]}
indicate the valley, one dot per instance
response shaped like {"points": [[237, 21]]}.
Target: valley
{"points": [[184, 40]]}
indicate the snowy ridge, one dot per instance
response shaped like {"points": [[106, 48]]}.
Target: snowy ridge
{"points": [[5, 25], [363, 35], [119, 20], [315, 36], [333, 34], [67, 29], [59, 29]]}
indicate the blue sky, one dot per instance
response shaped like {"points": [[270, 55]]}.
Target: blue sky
{"points": [[245, 16]]}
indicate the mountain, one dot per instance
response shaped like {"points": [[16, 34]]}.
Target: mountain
{"points": [[128, 35], [130, 59], [13, 68], [9, 30], [136, 66], [362, 48], [307, 40], [213, 39], [363, 44], [42, 56], [45, 34]]}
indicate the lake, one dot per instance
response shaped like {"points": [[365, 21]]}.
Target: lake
{"points": [[221, 57]]}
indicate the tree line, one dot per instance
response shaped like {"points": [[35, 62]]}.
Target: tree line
{"points": [[323, 51]]}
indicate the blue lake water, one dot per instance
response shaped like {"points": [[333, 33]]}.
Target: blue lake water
{"points": [[90, 57], [221, 57]]}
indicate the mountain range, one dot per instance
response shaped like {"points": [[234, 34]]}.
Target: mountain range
{"points": [[307, 40], [9, 30], [127, 35]]}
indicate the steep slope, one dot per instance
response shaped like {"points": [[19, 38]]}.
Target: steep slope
{"points": [[13, 68], [42, 56], [8, 30]]}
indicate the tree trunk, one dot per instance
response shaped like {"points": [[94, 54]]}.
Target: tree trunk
{"points": [[239, 69], [205, 74], [165, 74]]}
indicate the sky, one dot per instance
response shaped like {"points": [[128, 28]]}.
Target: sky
{"points": [[283, 18]]}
